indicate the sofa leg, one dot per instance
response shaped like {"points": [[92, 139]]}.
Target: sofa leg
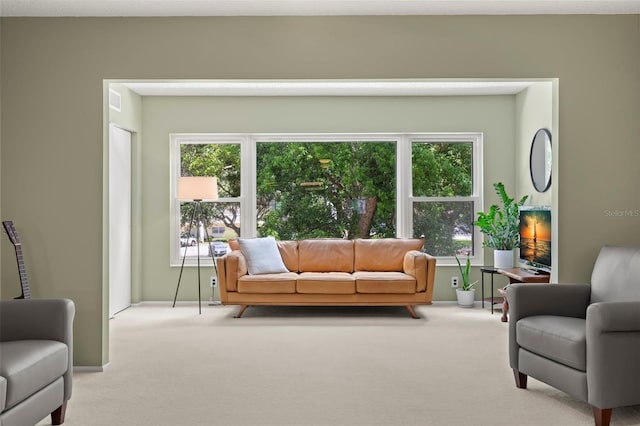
{"points": [[602, 416], [521, 379], [57, 417], [241, 311], [412, 312]]}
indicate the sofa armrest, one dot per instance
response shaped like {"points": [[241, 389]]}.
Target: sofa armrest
{"points": [[613, 351], [49, 319], [525, 300], [231, 267], [422, 267]]}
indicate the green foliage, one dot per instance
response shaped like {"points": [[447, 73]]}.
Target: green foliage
{"points": [[500, 224], [341, 174], [222, 161], [355, 195], [464, 272], [442, 170]]}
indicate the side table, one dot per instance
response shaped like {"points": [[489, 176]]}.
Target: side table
{"points": [[489, 270]]}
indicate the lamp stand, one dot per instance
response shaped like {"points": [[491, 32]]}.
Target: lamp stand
{"points": [[197, 213]]}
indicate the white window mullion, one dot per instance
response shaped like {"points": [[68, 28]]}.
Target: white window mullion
{"points": [[248, 203], [403, 190]]}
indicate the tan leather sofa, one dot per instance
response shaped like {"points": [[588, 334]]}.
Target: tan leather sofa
{"points": [[373, 272]]}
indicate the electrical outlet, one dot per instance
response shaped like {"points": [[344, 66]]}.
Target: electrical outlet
{"points": [[454, 282], [213, 281]]}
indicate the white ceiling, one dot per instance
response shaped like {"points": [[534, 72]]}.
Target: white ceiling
{"points": [[311, 7]]}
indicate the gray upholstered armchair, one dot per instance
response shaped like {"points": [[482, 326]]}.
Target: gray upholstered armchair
{"points": [[581, 339], [36, 360]]}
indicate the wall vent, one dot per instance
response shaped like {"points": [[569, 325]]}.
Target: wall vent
{"points": [[115, 100]]}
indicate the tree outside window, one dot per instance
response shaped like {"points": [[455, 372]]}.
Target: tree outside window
{"points": [[326, 189], [443, 208]]}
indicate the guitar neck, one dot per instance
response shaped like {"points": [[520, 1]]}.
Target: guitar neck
{"points": [[13, 236], [22, 270]]}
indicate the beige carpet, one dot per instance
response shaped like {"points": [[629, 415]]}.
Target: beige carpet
{"points": [[315, 366]]}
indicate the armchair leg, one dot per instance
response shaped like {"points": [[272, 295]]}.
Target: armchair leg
{"points": [[521, 379], [602, 416], [57, 417]]}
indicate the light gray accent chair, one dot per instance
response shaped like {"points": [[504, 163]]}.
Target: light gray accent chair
{"points": [[36, 360], [582, 339]]}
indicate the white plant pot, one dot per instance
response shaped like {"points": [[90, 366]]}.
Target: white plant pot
{"points": [[465, 297], [503, 258]]}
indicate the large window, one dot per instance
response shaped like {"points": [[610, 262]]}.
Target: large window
{"points": [[338, 186]]}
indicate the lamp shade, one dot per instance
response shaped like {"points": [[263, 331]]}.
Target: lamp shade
{"points": [[197, 188]]}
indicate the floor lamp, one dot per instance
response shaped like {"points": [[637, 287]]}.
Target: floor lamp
{"points": [[196, 189]]}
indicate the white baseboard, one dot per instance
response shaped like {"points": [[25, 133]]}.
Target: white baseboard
{"points": [[89, 368]]}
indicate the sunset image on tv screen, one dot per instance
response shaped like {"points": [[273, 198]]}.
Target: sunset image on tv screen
{"points": [[535, 236]]}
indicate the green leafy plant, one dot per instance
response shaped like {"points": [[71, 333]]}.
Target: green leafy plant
{"points": [[466, 285], [500, 224]]}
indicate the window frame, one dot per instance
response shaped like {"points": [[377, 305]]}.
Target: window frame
{"points": [[476, 197], [175, 141], [404, 195]]}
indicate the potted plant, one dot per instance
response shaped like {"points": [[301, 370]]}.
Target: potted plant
{"points": [[500, 226], [466, 293]]}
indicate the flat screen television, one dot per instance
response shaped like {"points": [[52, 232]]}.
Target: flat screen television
{"points": [[535, 238]]}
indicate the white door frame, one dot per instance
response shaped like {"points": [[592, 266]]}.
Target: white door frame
{"points": [[120, 249]]}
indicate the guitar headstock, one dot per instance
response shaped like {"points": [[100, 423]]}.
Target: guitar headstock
{"points": [[11, 231]]}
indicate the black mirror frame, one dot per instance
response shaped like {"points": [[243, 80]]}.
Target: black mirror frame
{"points": [[548, 181]]}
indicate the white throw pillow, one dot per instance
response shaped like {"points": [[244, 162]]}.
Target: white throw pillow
{"points": [[263, 256]]}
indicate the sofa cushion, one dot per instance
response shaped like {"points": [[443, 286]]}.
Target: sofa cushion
{"points": [[30, 365], [561, 339], [325, 255], [384, 282], [268, 283], [289, 253], [326, 283], [383, 254], [262, 255]]}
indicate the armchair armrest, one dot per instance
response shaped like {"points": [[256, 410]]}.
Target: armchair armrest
{"points": [[613, 351], [569, 300], [525, 300], [607, 317], [49, 319]]}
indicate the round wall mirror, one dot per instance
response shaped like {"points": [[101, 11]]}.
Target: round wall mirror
{"points": [[540, 160]]}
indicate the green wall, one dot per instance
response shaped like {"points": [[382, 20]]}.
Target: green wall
{"points": [[52, 76], [494, 116]]}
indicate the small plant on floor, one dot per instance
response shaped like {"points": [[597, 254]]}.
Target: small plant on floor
{"points": [[466, 285]]}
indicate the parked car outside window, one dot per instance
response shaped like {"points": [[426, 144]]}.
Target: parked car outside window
{"points": [[217, 249], [186, 240]]}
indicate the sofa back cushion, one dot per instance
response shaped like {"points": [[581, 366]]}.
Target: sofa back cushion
{"points": [[289, 253], [383, 254], [325, 255], [616, 275]]}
